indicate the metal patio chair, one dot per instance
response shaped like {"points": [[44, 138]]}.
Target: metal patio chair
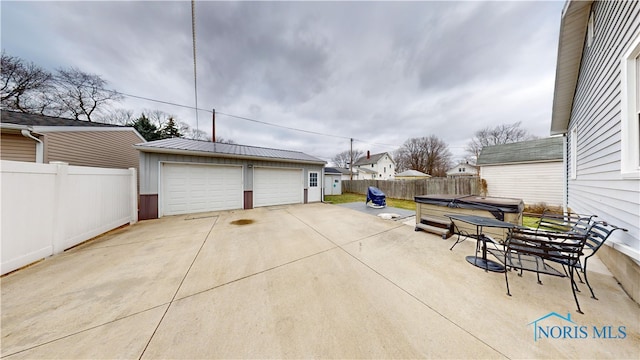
{"points": [[528, 250]]}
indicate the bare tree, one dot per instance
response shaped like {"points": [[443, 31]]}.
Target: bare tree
{"points": [[80, 94], [160, 118], [343, 159], [24, 85], [429, 155], [224, 141], [501, 134], [118, 117]]}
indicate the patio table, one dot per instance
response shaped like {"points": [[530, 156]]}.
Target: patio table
{"points": [[481, 222]]}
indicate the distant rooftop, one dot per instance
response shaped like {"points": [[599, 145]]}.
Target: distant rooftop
{"points": [[373, 159], [414, 173], [547, 149], [336, 170], [207, 148]]}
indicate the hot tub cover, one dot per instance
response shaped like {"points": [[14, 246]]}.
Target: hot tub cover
{"points": [[495, 205]]}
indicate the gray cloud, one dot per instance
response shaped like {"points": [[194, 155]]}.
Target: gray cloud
{"points": [[380, 72]]}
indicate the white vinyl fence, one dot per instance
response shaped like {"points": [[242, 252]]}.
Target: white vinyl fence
{"points": [[47, 208]]}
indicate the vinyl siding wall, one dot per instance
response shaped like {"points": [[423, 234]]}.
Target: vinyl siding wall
{"points": [[599, 187], [17, 148], [150, 162], [107, 149], [533, 182]]}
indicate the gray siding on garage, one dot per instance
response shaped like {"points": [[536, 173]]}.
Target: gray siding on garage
{"points": [[599, 187], [150, 162]]}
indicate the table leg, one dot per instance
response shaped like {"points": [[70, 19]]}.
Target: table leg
{"points": [[483, 262]]}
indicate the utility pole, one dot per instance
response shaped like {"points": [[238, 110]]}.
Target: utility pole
{"points": [[195, 74], [213, 126], [351, 163]]}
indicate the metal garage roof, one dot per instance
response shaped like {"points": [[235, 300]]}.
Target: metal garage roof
{"points": [[207, 148]]}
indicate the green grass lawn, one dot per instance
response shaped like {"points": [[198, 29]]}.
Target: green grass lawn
{"points": [[530, 221], [349, 197], [403, 204]]}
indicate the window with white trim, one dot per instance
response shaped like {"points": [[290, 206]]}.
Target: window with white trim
{"points": [[313, 179], [574, 150], [630, 122]]}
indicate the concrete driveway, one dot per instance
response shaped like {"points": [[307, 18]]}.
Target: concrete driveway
{"points": [[304, 281]]}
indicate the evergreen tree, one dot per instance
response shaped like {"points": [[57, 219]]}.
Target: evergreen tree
{"points": [[170, 130], [148, 130]]}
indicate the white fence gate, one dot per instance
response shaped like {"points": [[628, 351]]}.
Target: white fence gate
{"points": [[47, 208]]}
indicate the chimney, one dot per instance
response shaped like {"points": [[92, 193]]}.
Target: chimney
{"points": [[368, 155]]}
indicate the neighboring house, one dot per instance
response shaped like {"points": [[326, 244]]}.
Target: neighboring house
{"points": [[39, 138], [181, 176], [376, 166], [595, 105], [527, 170], [463, 169], [412, 175], [333, 180], [364, 173]]}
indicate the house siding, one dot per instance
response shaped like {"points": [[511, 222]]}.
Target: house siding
{"points": [[463, 170], [599, 187], [532, 182], [150, 164], [107, 149], [17, 148]]}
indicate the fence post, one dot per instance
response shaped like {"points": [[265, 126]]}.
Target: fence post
{"points": [[59, 212], [133, 197]]}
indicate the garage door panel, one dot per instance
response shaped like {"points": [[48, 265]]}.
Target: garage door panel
{"points": [[190, 188], [277, 186]]}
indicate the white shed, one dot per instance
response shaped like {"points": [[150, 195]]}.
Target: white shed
{"points": [[332, 181]]}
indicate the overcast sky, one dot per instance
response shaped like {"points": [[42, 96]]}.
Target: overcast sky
{"points": [[378, 72]]}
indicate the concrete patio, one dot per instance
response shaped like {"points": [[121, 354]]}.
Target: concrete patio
{"points": [[303, 281]]}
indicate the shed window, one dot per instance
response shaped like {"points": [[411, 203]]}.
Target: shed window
{"points": [[630, 125]]}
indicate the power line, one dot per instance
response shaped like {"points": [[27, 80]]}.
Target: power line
{"points": [[281, 126], [248, 119]]}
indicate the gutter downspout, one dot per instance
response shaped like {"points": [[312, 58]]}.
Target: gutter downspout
{"points": [[565, 177], [39, 145]]}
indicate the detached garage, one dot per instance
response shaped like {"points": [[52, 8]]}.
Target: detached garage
{"points": [[181, 176], [528, 170]]}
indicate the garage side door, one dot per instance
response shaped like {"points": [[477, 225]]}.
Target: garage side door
{"points": [[188, 188], [277, 186]]}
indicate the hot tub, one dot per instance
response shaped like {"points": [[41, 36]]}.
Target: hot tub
{"points": [[431, 210]]}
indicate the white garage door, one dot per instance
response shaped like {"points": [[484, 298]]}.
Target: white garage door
{"points": [[277, 186], [189, 188]]}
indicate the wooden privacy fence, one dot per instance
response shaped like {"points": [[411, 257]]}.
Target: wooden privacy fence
{"points": [[408, 189]]}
